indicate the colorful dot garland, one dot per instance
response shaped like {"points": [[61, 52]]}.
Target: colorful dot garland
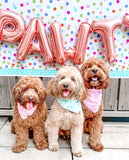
{"points": [[70, 14]]}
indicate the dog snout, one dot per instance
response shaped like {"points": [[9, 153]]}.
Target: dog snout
{"points": [[65, 85], [30, 98], [94, 71]]}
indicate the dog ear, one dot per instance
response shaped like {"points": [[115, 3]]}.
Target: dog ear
{"points": [[105, 83], [83, 67], [16, 92], [42, 94], [82, 94], [52, 88]]}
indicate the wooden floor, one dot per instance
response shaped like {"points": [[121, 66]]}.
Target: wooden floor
{"points": [[115, 140]]}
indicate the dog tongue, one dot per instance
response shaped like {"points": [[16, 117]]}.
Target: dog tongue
{"points": [[65, 93], [94, 78], [29, 105]]}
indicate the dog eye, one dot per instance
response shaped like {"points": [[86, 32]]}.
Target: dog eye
{"points": [[62, 78], [26, 89], [72, 79], [99, 67], [89, 66], [36, 90]]}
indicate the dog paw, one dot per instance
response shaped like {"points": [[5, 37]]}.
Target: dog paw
{"points": [[79, 154], [53, 148], [97, 147], [19, 148], [41, 145]]}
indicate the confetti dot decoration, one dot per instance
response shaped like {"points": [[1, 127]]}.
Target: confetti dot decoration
{"points": [[70, 14]]}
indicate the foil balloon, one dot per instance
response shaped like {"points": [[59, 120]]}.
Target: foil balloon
{"points": [[126, 21], [27, 44], [76, 55], [106, 29], [18, 29], [81, 44], [57, 43]]}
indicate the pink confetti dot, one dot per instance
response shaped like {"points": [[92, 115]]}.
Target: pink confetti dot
{"points": [[44, 63], [116, 60], [87, 6], [114, 39], [68, 12], [88, 48], [117, 1], [94, 53], [7, 9], [4, 57], [82, 7], [127, 41], [45, 24], [100, 12], [100, 53], [22, 67], [126, 57], [15, 54], [21, 4], [71, 39], [78, 20], [100, 40], [27, 3], [126, 13]]}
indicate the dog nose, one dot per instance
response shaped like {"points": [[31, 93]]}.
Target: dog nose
{"points": [[30, 98], [95, 71], [65, 85]]}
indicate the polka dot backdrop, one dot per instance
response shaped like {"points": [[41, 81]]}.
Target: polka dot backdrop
{"points": [[70, 14]]}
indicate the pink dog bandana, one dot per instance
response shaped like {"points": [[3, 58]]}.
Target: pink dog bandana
{"points": [[24, 113], [94, 99]]}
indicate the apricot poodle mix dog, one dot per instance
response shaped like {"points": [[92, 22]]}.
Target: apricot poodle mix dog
{"points": [[66, 112], [96, 77], [30, 113]]}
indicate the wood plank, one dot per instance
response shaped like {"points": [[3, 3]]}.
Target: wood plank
{"points": [[33, 154], [7, 112], [124, 94], [107, 154], [6, 84], [50, 99], [110, 96]]}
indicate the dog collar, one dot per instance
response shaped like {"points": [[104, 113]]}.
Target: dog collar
{"points": [[24, 113], [93, 100], [72, 105]]}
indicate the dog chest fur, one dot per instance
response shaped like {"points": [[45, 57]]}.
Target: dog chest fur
{"points": [[64, 118]]}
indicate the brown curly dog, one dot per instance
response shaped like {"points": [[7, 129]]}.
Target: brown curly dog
{"points": [[29, 113], [96, 77]]}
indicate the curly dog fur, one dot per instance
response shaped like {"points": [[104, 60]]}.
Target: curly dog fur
{"points": [[29, 87], [93, 124], [60, 118]]}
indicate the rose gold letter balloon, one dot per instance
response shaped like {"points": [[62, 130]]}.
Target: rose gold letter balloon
{"points": [[57, 43], [106, 29], [27, 45], [82, 39], [8, 17], [126, 20]]}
